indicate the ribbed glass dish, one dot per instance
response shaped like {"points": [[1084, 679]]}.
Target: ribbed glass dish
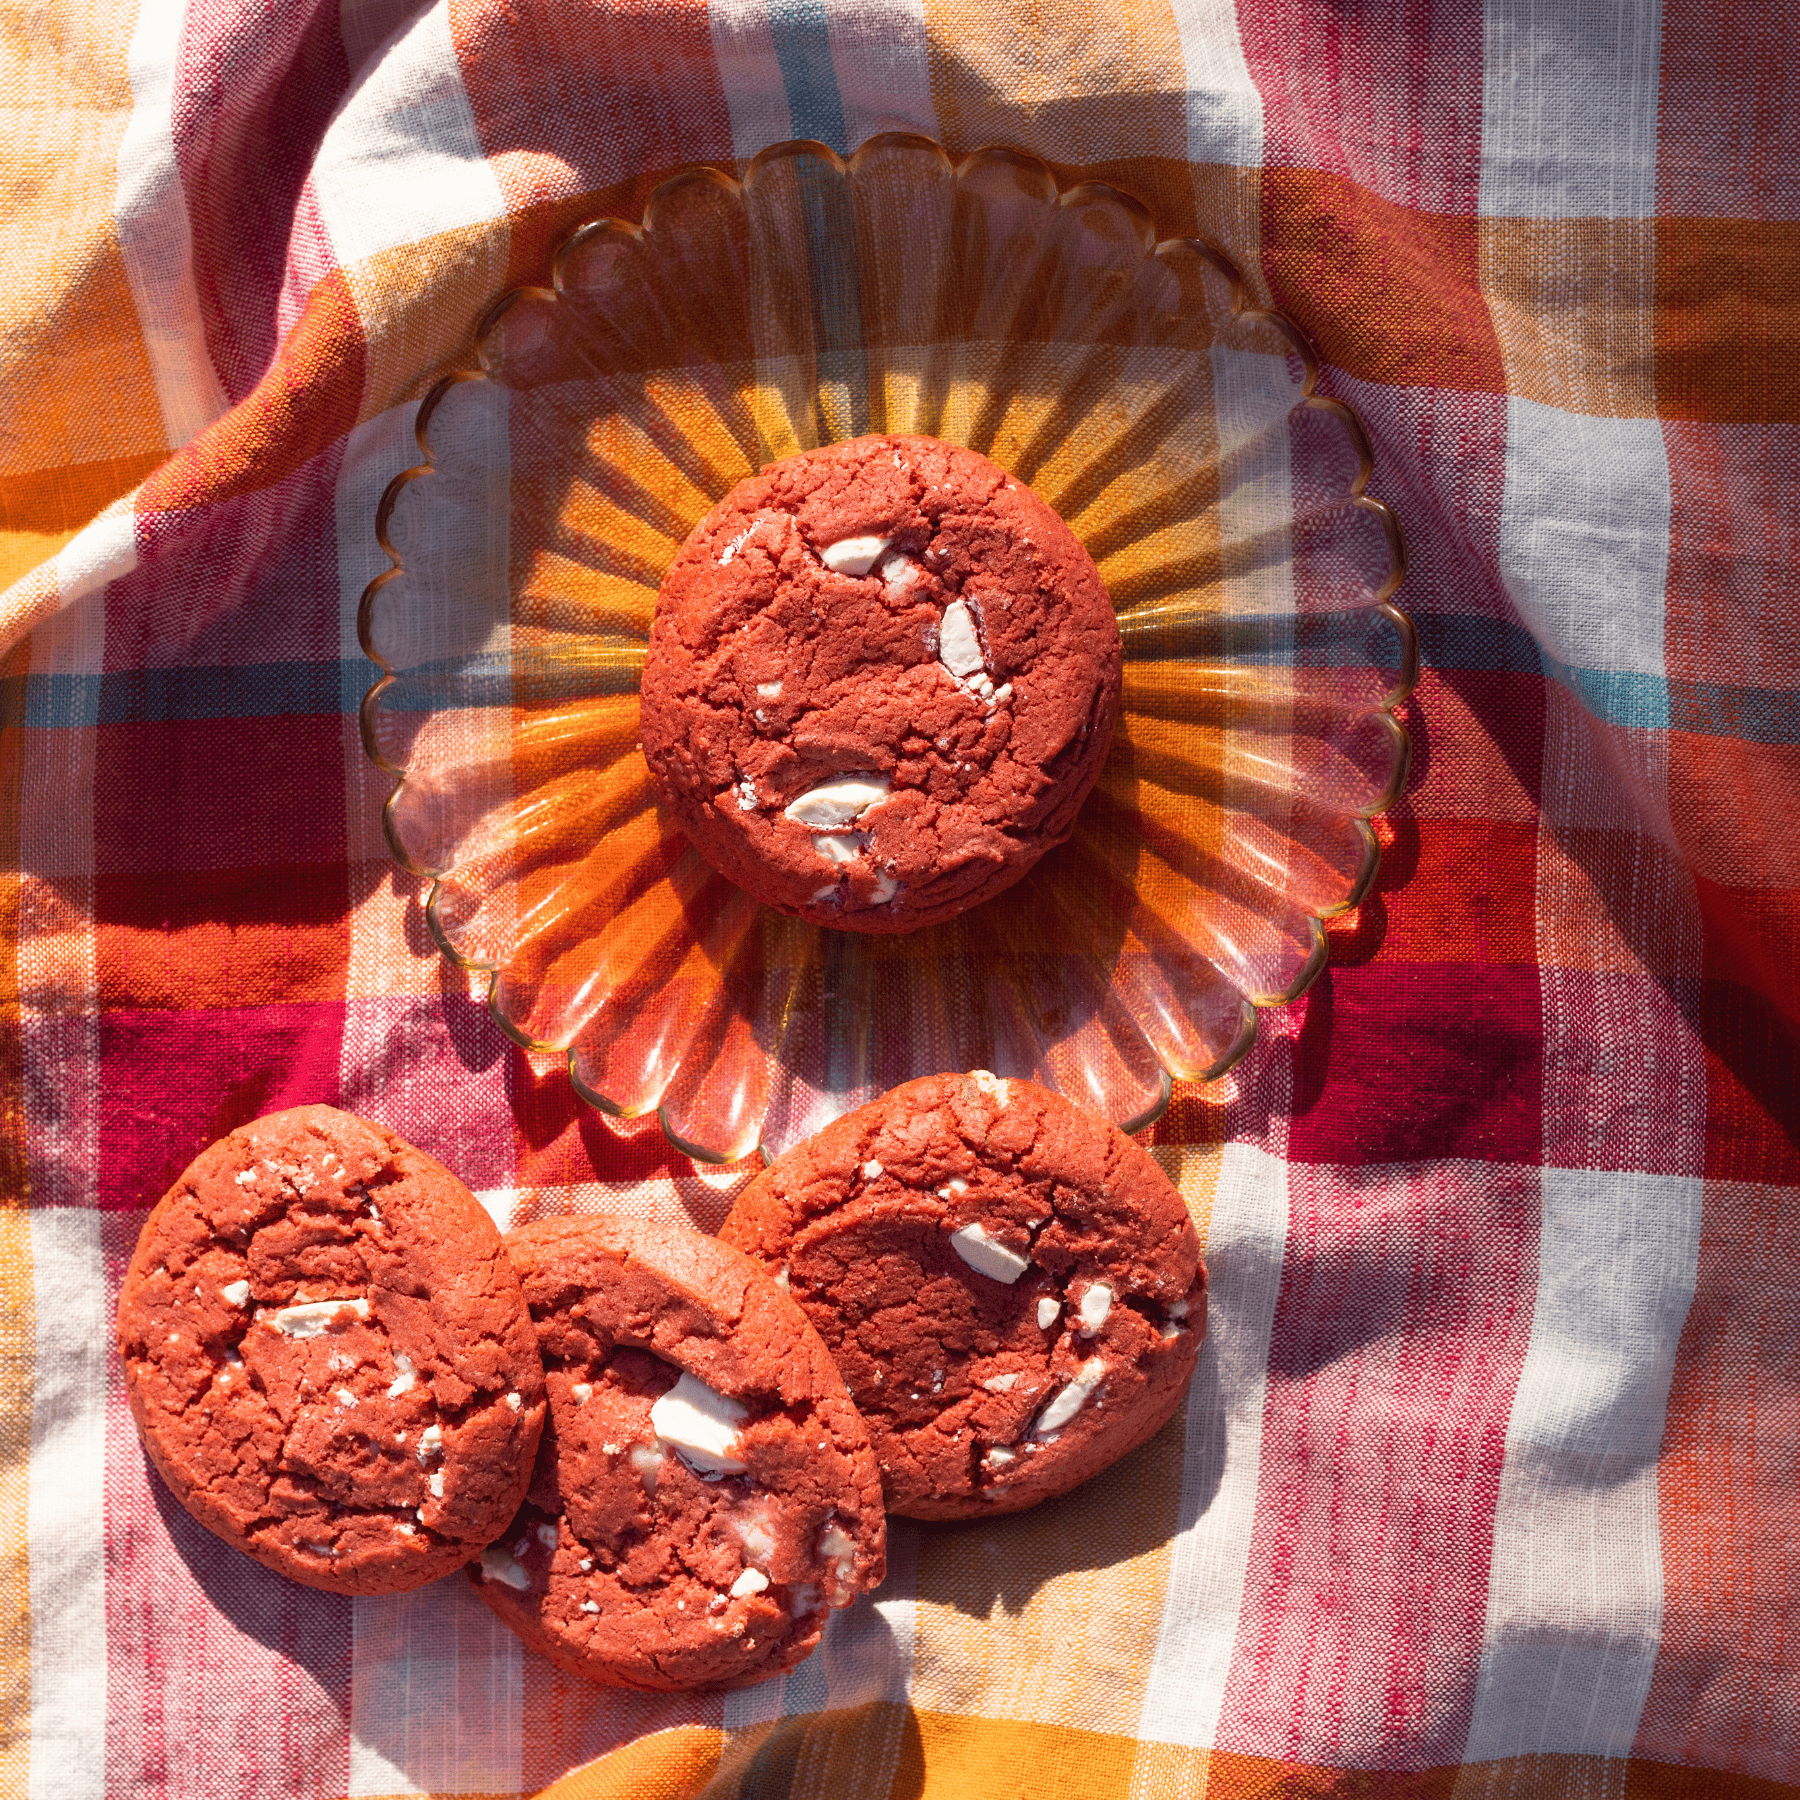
{"points": [[1128, 382]]}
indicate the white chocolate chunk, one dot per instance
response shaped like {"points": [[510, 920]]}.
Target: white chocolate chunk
{"points": [[436, 1484], [768, 690], [515, 1401], [1096, 1303], [345, 1398], [431, 1442], [838, 802], [237, 1293], [1003, 693], [1048, 1313], [580, 1392], [821, 895], [759, 1540], [840, 847], [871, 1169], [320, 1549], [547, 1536], [1170, 1331], [781, 1278], [854, 555], [590, 1606], [750, 1581], [959, 648], [1071, 1400], [1002, 1384], [700, 1425], [986, 1256], [838, 1548], [315, 1317], [498, 1564], [647, 1460], [405, 1377], [746, 795], [1177, 1309], [955, 1185], [887, 885], [991, 1085], [999, 1456]]}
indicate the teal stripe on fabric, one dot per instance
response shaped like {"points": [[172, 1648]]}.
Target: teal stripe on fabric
{"points": [[1759, 715], [802, 36]]}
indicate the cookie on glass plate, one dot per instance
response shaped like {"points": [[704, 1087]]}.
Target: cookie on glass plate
{"points": [[882, 677], [328, 1356], [1012, 1288], [705, 1493]]}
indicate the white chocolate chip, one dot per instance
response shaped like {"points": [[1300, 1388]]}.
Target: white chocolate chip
{"points": [[768, 690], [1048, 1313], [431, 1442], [498, 1564], [586, 1563], [854, 555], [998, 1457], [405, 1378], [838, 1547], [345, 1398], [1002, 1384], [315, 1317], [986, 1256], [887, 885], [838, 802], [647, 1460], [781, 1278], [991, 1085], [436, 1484], [700, 1425], [1071, 1400], [1177, 1309], [1003, 693], [959, 648], [1170, 1331], [821, 895], [515, 1401], [580, 1392], [320, 1549], [245, 1178], [1096, 1303], [759, 1540], [871, 1169], [236, 1292], [746, 795], [840, 847], [547, 1536], [751, 1581], [590, 1606], [955, 1185]]}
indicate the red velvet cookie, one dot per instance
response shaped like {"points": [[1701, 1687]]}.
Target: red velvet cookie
{"points": [[328, 1356], [705, 1492], [1012, 1288], [882, 678]]}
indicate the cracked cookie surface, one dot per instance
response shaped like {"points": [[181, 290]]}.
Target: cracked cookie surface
{"points": [[1012, 1288], [882, 677], [705, 1492], [328, 1356]]}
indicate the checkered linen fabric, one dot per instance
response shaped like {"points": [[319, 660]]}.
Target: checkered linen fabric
{"points": [[1487, 1483]]}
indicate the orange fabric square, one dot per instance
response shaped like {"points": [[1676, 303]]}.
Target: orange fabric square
{"points": [[1387, 293], [1727, 319]]}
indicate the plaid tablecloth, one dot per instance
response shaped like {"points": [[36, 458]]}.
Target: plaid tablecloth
{"points": [[1487, 1484]]}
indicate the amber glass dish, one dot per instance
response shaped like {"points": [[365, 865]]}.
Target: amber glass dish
{"points": [[1128, 382]]}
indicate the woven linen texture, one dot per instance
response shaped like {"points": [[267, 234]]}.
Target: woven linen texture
{"points": [[1486, 1486]]}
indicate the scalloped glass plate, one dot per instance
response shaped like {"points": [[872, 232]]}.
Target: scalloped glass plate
{"points": [[1127, 381]]}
